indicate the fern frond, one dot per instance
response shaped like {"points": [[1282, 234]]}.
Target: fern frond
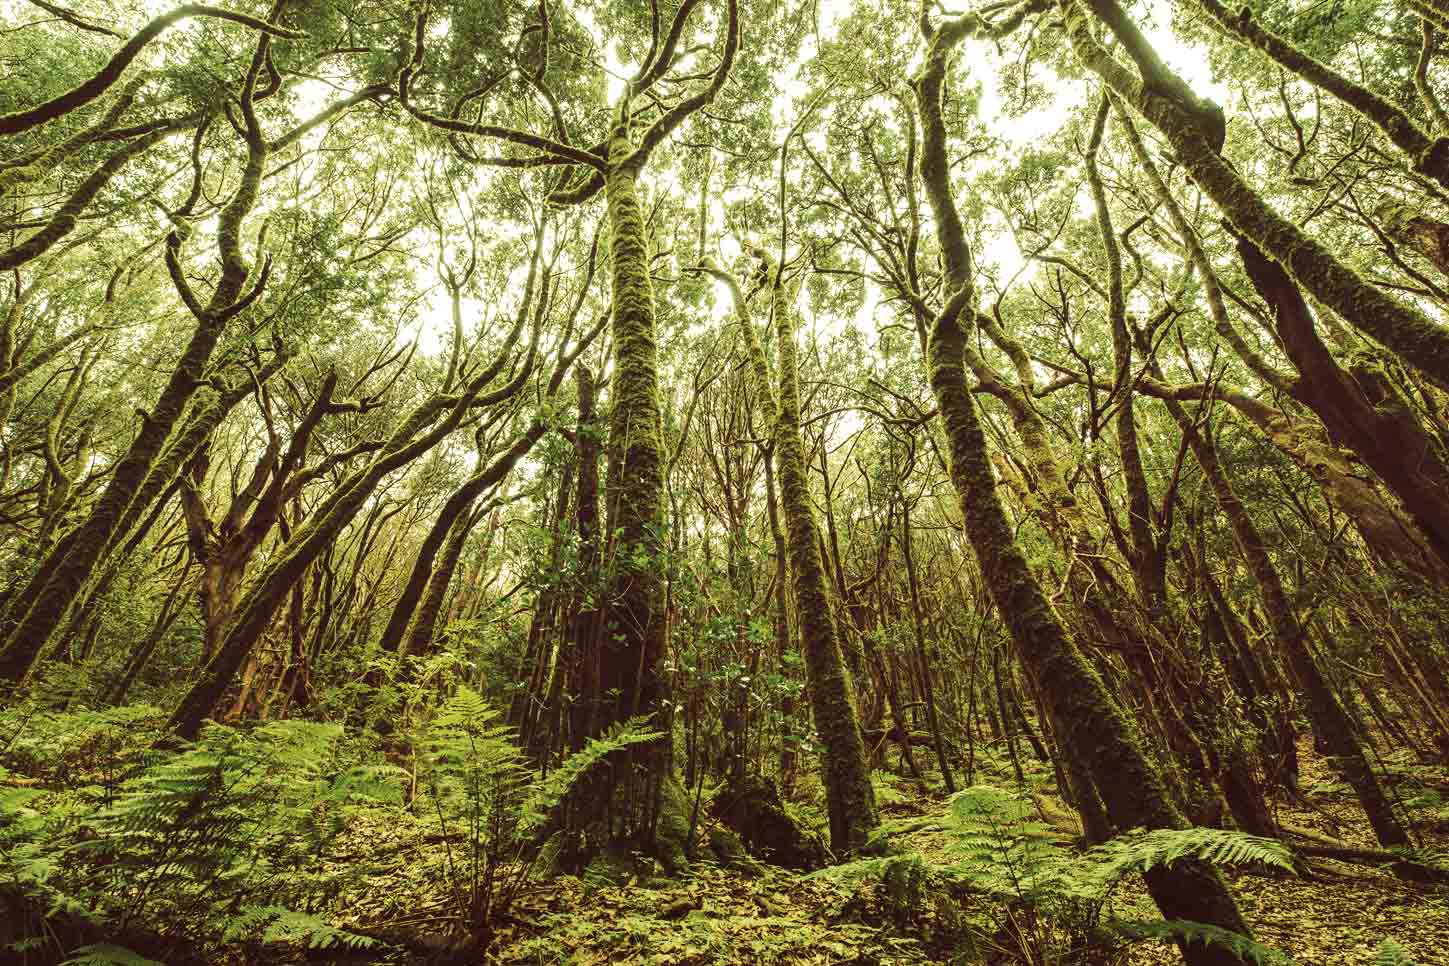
{"points": [[849, 875], [1390, 953], [1140, 850], [1187, 932], [107, 954], [546, 796], [276, 924]]}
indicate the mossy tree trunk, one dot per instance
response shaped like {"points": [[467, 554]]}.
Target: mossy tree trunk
{"points": [[1386, 437], [631, 679], [421, 430], [34, 614], [850, 798], [584, 620], [1194, 128], [1089, 728]]}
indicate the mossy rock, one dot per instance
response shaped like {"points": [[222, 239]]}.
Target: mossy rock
{"points": [[730, 851], [753, 809], [609, 868]]}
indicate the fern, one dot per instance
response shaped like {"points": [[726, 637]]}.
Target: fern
{"points": [[1436, 859], [547, 794], [275, 924], [1003, 850], [1187, 932], [1390, 953], [848, 876], [107, 954], [1140, 850], [999, 848], [191, 836]]}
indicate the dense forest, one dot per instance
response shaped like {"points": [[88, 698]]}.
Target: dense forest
{"points": [[724, 481]]}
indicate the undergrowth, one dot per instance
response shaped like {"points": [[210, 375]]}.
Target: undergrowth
{"points": [[114, 851], [1056, 901]]}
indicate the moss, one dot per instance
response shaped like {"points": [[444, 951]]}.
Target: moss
{"points": [[1089, 727], [1329, 719], [729, 850], [671, 830], [63, 222], [634, 641], [850, 798], [849, 794], [1399, 127], [753, 808]]}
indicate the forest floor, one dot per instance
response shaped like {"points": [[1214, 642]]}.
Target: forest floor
{"points": [[1337, 913]]}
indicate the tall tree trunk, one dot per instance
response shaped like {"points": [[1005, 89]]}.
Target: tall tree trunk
{"points": [[584, 623], [850, 798], [633, 629], [1089, 727], [928, 692], [34, 614]]}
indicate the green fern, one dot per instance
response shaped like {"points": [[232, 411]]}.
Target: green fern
{"points": [[1187, 932], [1140, 850], [1429, 857], [233, 817], [849, 876], [1390, 953], [275, 924], [546, 795], [107, 954], [1004, 851], [1000, 848]]}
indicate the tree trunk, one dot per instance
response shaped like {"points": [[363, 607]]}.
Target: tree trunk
{"points": [[1088, 726], [1330, 722]]}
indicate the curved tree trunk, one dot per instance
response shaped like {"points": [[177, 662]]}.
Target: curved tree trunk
{"points": [[1089, 728], [35, 613], [409, 441], [1330, 722]]}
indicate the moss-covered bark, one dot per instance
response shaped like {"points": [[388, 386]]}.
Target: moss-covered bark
{"points": [[1416, 230], [1088, 727], [849, 795], [423, 428], [38, 610], [850, 798], [1087, 724], [1404, 456], [583, 671], [425, 619], [632, 632], [1330, 721], [1425, 153]]}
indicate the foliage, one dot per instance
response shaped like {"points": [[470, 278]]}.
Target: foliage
{"points": [[1140, 850], [199, 837], [384, 193], [208, 836], [107, 954], [1391, 953], [1182, 931], [547, 794], [999, 848]]}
